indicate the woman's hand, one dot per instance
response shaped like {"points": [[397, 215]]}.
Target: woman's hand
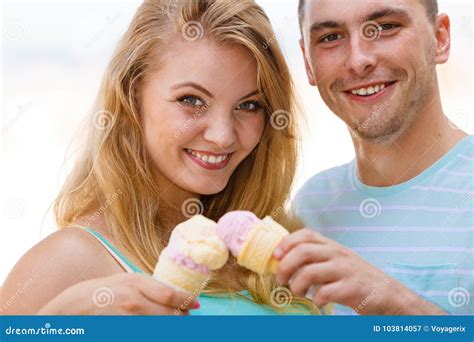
{"points": [[120, 294]]}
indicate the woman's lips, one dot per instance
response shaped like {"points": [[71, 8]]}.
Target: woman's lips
{"points": [[208, 165]]}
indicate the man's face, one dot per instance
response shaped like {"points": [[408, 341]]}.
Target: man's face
{"points": [[373, 62]]}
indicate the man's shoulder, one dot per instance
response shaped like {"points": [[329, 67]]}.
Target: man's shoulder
{"points": [[330, 180]]}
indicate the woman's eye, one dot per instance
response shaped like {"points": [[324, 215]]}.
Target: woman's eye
{"points": [[331, 37], [190, 100], [250, 106]]}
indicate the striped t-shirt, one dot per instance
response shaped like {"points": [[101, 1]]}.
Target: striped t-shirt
{"points": [[419, 232]]}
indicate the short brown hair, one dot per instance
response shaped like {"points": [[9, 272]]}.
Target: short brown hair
{"points": [[431, 7]]}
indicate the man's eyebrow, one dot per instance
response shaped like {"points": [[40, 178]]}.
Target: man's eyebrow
{"points": [[385, 12], [193, 85], [316, 26], [389, 11]]}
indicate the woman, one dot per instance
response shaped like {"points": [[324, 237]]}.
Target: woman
{"points": [[188, 117]]}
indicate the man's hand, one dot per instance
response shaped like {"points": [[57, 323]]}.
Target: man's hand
{"points": [[341, 276]]}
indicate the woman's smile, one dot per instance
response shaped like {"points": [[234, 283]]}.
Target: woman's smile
{"points": [[209, 160]]}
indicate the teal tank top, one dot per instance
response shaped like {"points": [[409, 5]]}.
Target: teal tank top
{"points": [[231, 304]]}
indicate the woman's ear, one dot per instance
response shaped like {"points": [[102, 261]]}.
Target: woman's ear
{"points": [[443, 38], [307, 65]]}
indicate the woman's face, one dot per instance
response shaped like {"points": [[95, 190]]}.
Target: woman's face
{"points": [[202, 115]]}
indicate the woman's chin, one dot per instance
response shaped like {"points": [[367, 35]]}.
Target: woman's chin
{"points": [[207, 187]]}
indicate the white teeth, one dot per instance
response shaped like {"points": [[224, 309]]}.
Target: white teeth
{"points": [[210, 159], [368, 91]]}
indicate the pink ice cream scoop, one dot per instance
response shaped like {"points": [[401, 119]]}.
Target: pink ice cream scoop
{"points": [[251, 240], [234, 227]]}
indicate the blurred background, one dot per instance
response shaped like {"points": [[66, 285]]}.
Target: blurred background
{"points": [[53, 55]]}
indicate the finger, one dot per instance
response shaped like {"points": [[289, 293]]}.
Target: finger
{"points": [[144, 306], [313, 274], [296, 238], [299, 256], [326, 294], [165, 295]]}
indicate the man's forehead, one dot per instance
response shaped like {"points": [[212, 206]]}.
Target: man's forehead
{"points": [[349, 10]]}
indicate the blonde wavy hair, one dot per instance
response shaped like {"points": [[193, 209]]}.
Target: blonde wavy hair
{"points": [[114, 159]]}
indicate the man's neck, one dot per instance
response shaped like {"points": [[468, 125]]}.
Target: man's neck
{"points": [[429, 137]]}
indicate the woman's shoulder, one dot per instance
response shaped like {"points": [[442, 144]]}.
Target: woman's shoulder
{"points": [[62, 259], [77, 251]]}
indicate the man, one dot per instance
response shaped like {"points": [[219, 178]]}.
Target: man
{"points": [[402, 211]]}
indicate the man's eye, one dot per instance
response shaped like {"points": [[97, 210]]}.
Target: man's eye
{"points": [[190, 100], [389, 26], [250, 106], [331, 38]]}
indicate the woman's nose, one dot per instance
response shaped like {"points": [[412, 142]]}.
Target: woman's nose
{"points": [[220, 130]]}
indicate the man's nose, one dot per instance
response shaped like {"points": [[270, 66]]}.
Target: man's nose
{"points": [[361, 59]]}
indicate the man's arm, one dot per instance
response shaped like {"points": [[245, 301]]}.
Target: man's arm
{"points": [[308, 258]]}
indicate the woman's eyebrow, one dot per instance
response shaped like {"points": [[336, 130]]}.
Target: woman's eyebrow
{"points": [[252, 93], [193, 85]]}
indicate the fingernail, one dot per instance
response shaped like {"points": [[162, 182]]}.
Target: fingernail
{"points": [[196, 305], [278, 253]]}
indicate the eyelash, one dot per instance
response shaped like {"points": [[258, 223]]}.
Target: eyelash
{"points": [[184, 100], [323, 39]]}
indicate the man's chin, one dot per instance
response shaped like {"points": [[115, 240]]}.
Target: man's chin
{"points": [[383, 137]]}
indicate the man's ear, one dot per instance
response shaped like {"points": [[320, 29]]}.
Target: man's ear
{"points": [[307, 66], [443, 38]]}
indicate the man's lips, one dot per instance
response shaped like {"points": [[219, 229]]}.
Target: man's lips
{"points": [[369, 91], [369, 84]]}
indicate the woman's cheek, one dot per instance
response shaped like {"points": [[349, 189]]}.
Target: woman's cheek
{"points": [[252, 131]]}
